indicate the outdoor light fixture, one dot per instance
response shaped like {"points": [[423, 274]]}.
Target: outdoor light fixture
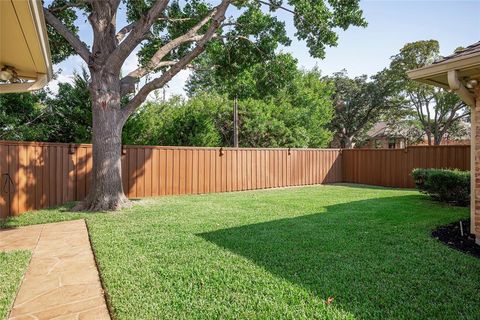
{"points": [[71, 149], [471, 84], [8, 73], [5, 75]]}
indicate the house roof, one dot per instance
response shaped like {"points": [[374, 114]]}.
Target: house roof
{"points": [[471, 49], [377, 130], [465, 61], [24, 45], [381, 129]]}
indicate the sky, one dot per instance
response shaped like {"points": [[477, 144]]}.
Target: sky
{"points": [[391, 24]]}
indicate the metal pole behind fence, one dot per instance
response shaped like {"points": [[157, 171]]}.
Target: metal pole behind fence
{"points": [[235, 123]]}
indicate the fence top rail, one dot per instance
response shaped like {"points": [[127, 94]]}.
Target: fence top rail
{"points": [[443, 146], [406, 149], [77, 145], [40, 144], [228, 148], [373, 149]]}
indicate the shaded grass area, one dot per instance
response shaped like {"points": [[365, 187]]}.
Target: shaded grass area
{"points": [[13, 265], [56, 214], [281, 254]]}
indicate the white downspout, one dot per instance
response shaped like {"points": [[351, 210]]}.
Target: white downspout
{"points": [[459, 89]]}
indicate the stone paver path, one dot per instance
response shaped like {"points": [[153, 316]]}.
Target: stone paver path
{"points": [[62, 280]]}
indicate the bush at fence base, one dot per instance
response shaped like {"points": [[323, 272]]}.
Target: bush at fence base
{"points": [[451, 186]]}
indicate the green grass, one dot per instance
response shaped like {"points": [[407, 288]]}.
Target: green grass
{"points": [[279, 254], [12, 267]]}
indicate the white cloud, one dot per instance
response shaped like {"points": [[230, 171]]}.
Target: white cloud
{"points": [[131, 63], [175, 87], [61, 78], [70, 65]]}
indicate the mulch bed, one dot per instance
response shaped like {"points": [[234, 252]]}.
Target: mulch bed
{"points": [[451, 236]]}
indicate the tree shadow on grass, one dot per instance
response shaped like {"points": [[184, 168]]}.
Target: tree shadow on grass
{"points": [[375, 257]]}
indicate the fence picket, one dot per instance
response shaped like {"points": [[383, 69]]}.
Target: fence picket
{"points": [[46, 174]]}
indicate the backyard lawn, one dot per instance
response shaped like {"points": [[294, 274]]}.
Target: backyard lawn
{"points": [[12, 267], [282, 253]]}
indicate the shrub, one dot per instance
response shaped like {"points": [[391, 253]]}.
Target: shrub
{"points": [[451, 186]]}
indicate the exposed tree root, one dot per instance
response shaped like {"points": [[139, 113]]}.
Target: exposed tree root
{"points": [[98, 204]]}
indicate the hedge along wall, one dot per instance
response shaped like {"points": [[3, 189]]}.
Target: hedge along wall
{"points": [[40, 175]]}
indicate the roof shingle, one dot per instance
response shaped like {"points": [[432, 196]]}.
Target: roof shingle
{"points": [[473, 48]]}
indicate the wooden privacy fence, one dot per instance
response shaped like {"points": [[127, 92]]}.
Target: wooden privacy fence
{"points": [[392, 167], [40, 175]]}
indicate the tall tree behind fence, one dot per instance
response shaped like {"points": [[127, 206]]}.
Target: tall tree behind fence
{"points": [[392, 167], [40, 175]]}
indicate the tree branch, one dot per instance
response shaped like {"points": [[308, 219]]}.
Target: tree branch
{"points": [[69, 5], [128, 28], [217, 19], [447, 125], [272, 5], [155, 62], [71, 38], [140, 72], [124, 31], [174, 19], [136, 35], [461, 116]]}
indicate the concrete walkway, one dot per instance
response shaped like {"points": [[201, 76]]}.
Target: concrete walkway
{"points": [[62, 280]]}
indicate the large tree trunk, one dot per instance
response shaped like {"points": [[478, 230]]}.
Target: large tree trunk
{"points": [[437, 139], [106, 192], [109, 51], [348, 142], [429, 138]]}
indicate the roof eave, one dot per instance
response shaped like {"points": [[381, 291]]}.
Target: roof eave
{"points": [[40, 82], [461, 63], [39, 20], [39, 79]]}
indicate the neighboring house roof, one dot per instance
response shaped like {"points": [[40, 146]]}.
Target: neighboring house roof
{"points": [[381, 129], [25, 62]]}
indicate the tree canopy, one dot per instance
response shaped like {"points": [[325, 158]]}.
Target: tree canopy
{"points": [[259, 80], [438, 111], [44, 116], [358, 104], [241, 33], [171, 35], [297, 116]]}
